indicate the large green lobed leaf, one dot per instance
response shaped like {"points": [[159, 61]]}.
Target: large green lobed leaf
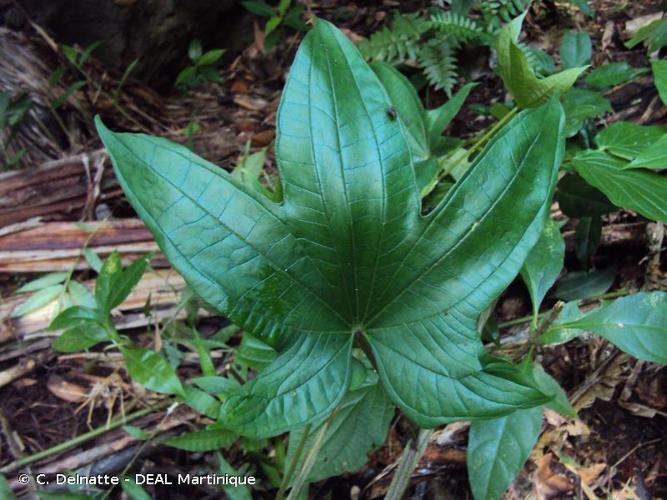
{"points": [[348, 252]]}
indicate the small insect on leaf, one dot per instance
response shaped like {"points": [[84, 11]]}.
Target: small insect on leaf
{"points": [[391, 112]]}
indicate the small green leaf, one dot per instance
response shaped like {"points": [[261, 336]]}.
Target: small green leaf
{"points": [[527, 89], [629, 140], [437, 119], [653, 34], [201, 401], [551, 387], [259, 8], [133, 490], [80, 337], [497, 450], [38, 300], [73, 316], [137, 432], [5, 490], [194, 50], [203, 440], [43, 282], [640, 190], [211, 57], [66, 95], [587, 238], [233, 492], [584, 6], [611, 74], [659, 67], [555, 334], [636, 324], [217, 385], [585, 284], [114, 283], [581, 105], [575, 49], [151, 370], [93, 259], [579, 199], [544, 263], [360, 425]]}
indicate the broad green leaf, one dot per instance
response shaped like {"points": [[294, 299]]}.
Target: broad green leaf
{"points": [[659, 67], [38, 300], [611, 74], [203, 440], [587, 238], [359, 426], [133, 490], [628, 140], [348, 252], [544, 263], [151, 370], [43, 282], [80, 337], [575, 49], [654, 156], [255, 353], [580, 105], [640, 190], [497, 450], [527, 89], [408, 108], [636, 324], [260, 8], [551, 387], [579, 199], [585, 284], [114, 283]]}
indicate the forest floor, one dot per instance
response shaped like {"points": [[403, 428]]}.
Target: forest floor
{"points": [[618, 446]]}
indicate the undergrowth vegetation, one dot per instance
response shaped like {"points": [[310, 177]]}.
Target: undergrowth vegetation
{"points": [[362, 276]]}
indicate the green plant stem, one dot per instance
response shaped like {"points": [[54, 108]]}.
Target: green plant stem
{"points": [[491, 132], [407, 463], [83, 437], [287, 477], [308, 463]]}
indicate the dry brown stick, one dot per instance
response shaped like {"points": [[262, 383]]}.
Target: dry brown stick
{"points": [[162, 286], [56, 246], [58, 188]]}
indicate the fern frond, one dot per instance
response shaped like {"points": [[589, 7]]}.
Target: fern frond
{"points": [[457, 27], [439, 64], [397, 43], [496, 12]]}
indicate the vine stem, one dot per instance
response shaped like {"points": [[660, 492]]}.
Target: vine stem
{"points": [[292, 465], [500, 123], [83, 437], [308, 463], [406, 465]]}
